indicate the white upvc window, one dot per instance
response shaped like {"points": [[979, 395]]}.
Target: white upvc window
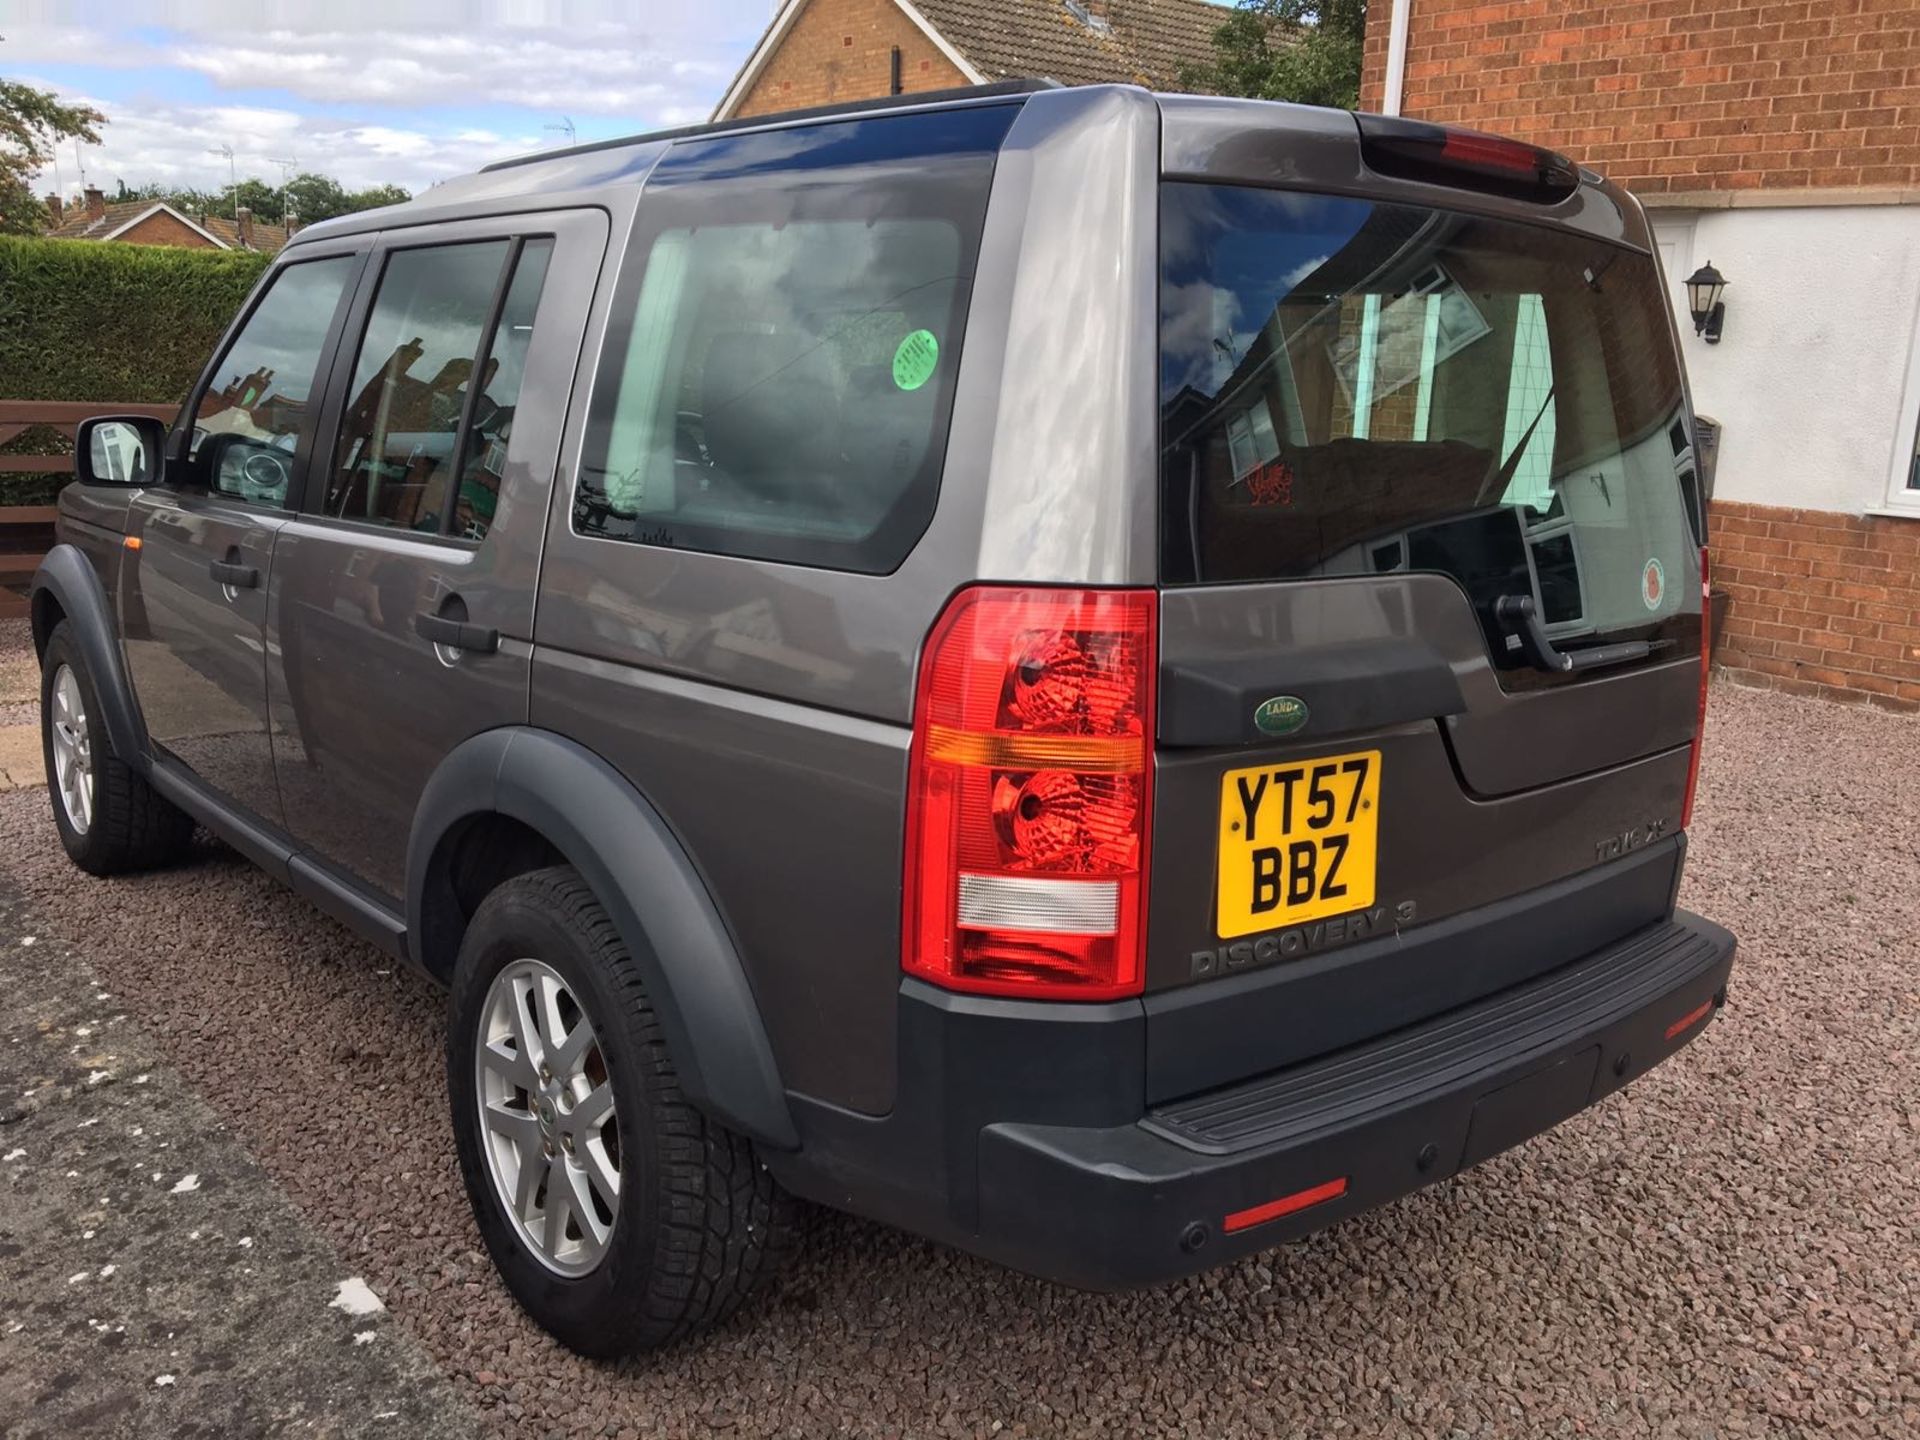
{"points": [[1903, 475]]}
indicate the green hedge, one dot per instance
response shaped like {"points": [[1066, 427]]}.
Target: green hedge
{"points": [[94, 320]]}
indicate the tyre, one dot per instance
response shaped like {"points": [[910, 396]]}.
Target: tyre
{"points": [[620, 1217], [110, 819]]}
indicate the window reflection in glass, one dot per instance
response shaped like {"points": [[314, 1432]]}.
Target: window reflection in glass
{"points": [[393, 458], [1351, 388], [485, 448], [250, 420]]}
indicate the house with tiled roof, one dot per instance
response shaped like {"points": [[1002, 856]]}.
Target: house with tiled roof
{"points": [[825, 52], [154, 222]]}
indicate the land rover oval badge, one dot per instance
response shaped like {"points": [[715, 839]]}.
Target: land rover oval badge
{"points": [[1282, 715]]}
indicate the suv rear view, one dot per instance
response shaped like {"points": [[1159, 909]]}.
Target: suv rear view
{"points": [[1109, 679]]}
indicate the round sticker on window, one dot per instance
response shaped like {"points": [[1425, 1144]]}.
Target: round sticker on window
{"points": [[914, 359], [1653, 584]]}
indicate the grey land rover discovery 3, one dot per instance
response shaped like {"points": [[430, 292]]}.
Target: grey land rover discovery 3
{"points": [[1106, 678]]}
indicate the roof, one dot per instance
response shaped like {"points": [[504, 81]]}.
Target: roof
{"points": [[1146, 41], [1085, 42], [78, 225], [123, 215], [266, 238]]}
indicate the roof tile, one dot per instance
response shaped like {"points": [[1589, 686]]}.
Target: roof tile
{"points": [[1145, 41], [79, 226]]}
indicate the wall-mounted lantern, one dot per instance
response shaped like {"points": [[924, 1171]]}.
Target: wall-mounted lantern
{"points": [[1704, 288]]}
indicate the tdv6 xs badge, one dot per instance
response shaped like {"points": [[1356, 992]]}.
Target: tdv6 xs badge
{"points": [[1614, 846]]}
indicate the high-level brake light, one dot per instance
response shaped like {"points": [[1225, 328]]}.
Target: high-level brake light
{"points": [[1442, 155], [1029, 794]]}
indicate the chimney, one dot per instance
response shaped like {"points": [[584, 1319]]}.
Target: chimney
{"points": [[55, 208], [243, 223], [96, 203]]}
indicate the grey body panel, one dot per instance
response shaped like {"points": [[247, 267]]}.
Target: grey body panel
{"points": [[793, 815], [1056, 430], [362, 707], [93, 519], [195, 648]]}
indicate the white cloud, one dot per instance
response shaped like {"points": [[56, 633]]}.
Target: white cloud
{"points": [[601, 70], [375, 93], [174, 144]]}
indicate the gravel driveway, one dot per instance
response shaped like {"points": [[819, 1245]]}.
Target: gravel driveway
{"points": [[1731, 1247]]}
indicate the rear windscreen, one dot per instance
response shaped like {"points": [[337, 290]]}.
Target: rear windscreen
{"points": [[1350, 388]]}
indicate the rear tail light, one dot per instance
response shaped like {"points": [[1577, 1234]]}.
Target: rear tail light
{"points": [[1706, 665], [1029, 794], [1440, 155]]}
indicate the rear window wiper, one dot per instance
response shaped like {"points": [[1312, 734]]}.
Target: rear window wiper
{"points": [[1521, 617]]}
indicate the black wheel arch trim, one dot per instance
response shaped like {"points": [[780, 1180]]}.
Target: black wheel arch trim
{"points": [[66, 577], [593, 815]]}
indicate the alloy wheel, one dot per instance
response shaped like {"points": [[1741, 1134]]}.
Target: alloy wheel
{"points": [[547, 1117], [72, 750]]}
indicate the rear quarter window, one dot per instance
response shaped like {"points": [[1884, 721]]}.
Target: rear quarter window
{"points": [[780, 361]]}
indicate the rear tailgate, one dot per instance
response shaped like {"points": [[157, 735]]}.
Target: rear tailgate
{"points": [[1431, 625]]}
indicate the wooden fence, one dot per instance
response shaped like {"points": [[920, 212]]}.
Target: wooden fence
{"points": [[26, 531]]}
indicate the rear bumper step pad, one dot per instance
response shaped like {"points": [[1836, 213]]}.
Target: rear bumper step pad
{"points": [[1533, 1019]]}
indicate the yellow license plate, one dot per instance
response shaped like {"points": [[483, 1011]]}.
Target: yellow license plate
{"points": [[1297, 841]]}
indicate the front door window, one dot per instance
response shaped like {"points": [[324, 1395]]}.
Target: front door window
{"points": [[260, 402]]}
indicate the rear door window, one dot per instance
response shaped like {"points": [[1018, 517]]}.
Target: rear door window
{"points": [[781, 357], [1351, 388]]}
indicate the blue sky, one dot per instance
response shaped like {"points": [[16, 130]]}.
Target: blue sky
{"points": [[405, 91]]}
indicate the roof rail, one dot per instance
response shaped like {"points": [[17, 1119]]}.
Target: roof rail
{"points": [[781, 117]]}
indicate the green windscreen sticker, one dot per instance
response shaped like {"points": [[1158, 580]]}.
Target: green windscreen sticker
{"points": [[914, 359]]}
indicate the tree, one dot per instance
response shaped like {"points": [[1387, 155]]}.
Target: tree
{"points": [[259, 197], [191, 203], [316, 197], [1302, 50], [32, 122], [375, 196], [309, 197]]}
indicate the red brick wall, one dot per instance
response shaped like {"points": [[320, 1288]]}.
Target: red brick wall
{"points": [[1821, 603], [164, 230], [1675, 95], [842, 50]]}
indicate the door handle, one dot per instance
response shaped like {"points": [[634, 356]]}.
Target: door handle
{"points": [[239, 577], [456, 634]]}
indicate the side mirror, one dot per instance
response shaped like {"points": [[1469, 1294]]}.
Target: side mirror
{"points": [[119, 450]]}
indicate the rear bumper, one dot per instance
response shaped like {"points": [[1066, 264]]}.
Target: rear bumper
{"points": [[1106, 1192]]}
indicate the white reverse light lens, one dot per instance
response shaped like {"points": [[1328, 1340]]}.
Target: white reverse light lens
{"points": [[1018, 902]]}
